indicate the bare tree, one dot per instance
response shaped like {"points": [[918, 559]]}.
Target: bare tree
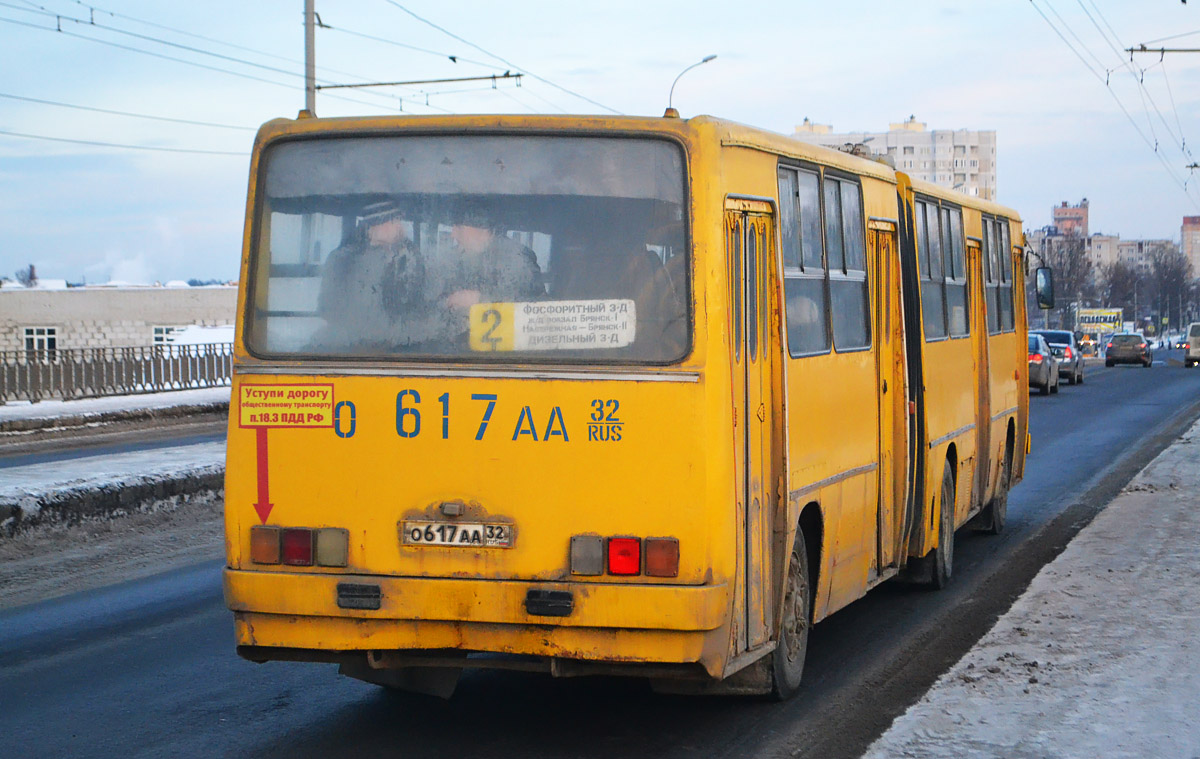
{"points": [[1067, 257], [1120, 282], [27, 277], [1170, 278]]}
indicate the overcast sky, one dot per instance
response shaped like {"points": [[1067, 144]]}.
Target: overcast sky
{"points": [[99, 213]]}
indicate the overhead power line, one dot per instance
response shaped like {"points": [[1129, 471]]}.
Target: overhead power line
{"points": [[506, 62], [125, 113], [184, 61], [119, 145], [1104, 80]]}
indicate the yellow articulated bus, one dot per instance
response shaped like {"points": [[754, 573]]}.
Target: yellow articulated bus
{"points": [[588, 395]]}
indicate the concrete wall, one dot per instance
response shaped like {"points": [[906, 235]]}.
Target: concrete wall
{"points": [[99, 317]]}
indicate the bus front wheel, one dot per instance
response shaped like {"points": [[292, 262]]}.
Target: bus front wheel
{"points": [[788, 657]]}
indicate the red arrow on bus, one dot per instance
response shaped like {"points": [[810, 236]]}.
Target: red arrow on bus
{"points": [[264, 505]]}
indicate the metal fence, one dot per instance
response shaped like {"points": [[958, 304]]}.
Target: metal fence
{"points": [[34, 375]]}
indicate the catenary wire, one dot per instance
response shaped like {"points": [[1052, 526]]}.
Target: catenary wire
{"points": [[125, 113], [184, 61], [508, 63], [1121, 105], [119, 145]]}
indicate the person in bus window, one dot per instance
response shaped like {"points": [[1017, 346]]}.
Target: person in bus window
{"points": [[369, 281], [491, 267]]}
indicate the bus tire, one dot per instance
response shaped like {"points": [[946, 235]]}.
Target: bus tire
{"points": [[995, 514], [934, 569], [796, 620]]}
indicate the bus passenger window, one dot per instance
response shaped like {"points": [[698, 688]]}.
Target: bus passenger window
{"points": [[805, 294], [850, 299], [929, 254], [956, 272], [805, 306]]}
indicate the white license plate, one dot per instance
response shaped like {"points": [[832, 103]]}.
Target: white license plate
{"points": [[457, 534]]}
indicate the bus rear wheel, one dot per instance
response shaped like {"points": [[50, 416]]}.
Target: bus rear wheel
{"points": [[788, 657], [935, 568], [995, 514]]}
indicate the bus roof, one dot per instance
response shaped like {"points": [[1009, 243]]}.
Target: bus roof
{"points": [[728, 133]]}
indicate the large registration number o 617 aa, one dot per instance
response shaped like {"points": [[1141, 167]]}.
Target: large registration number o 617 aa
{"points": [[457, 535]]}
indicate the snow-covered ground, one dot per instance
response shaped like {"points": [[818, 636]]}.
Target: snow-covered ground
{"points": [[84, 406], [21, 484], [1101, 655]]}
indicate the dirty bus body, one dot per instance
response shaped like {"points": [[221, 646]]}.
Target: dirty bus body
{"points": [[599, 395]]}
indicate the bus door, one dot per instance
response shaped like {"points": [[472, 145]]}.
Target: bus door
{"points": [[756, 344], [893, 394], [979, 345]]}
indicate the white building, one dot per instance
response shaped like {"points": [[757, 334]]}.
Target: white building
{"points": [[961, 159], [39, 318]]}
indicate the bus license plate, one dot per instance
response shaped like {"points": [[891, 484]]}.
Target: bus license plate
{"points": [[458, 535]]}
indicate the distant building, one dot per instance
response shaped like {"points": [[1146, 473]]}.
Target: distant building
{"points": [[1071, 220], [1140, 253], [960, 159], [107, 316], [1190, 242], [1102, 251]]}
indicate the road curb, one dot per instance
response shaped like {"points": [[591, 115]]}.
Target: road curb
{"points": [[95, 418], [141, 494]]}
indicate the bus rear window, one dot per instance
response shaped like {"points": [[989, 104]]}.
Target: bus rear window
{"points": [[466, 248]]}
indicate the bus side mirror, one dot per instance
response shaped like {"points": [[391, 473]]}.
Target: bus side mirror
{"points": [[1044, 285]]}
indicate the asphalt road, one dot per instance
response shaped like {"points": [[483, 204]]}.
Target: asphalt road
{"points": [[114, 438], [148, 668]]}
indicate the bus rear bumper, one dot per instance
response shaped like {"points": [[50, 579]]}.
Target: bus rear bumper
{"points": [[609, 622]]}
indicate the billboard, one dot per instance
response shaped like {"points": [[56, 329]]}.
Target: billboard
{"points": [[1100, 320]]}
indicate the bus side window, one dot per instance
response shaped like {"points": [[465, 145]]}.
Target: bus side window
{"points": [[804, 284]]}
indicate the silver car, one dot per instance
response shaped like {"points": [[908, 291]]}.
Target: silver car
{"points": [[1066, 351], [1043, 367]]}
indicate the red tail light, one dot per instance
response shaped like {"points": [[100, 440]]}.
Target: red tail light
{"points": [[1067, 352], [624, 556], [1141, 345], [1108, 346], [1035, 358], [298, 546]]}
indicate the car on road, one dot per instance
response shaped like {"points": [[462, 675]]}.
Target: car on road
{"points": [[1043, 367], [1128, 348], [1066, 351], [1191, 345]]}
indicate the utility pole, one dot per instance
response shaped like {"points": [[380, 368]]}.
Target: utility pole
{"points": [[310, 60]]}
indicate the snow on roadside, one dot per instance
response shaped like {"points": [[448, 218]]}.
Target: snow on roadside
{"points": [[1099, 657], [26, 485], [83, 406]]}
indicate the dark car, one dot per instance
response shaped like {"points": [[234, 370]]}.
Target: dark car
{"points": [[1128, 348], [1043, 367], [1066, 351]]}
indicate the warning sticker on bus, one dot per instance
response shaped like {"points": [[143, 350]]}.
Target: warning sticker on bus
{"points": [[308, 405], [553, 325]]}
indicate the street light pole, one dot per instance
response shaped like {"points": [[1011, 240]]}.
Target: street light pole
{"points": [[671, 112]]}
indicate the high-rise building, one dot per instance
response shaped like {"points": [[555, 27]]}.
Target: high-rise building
{"points": [[961, 159], [1141, 253], [1190, 242], [1071, 220]]}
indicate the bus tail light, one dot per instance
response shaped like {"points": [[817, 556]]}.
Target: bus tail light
{"points": [[333, 547], [624, 556], [264, 545], [298, 546], [587, 555], [662, 557]]}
